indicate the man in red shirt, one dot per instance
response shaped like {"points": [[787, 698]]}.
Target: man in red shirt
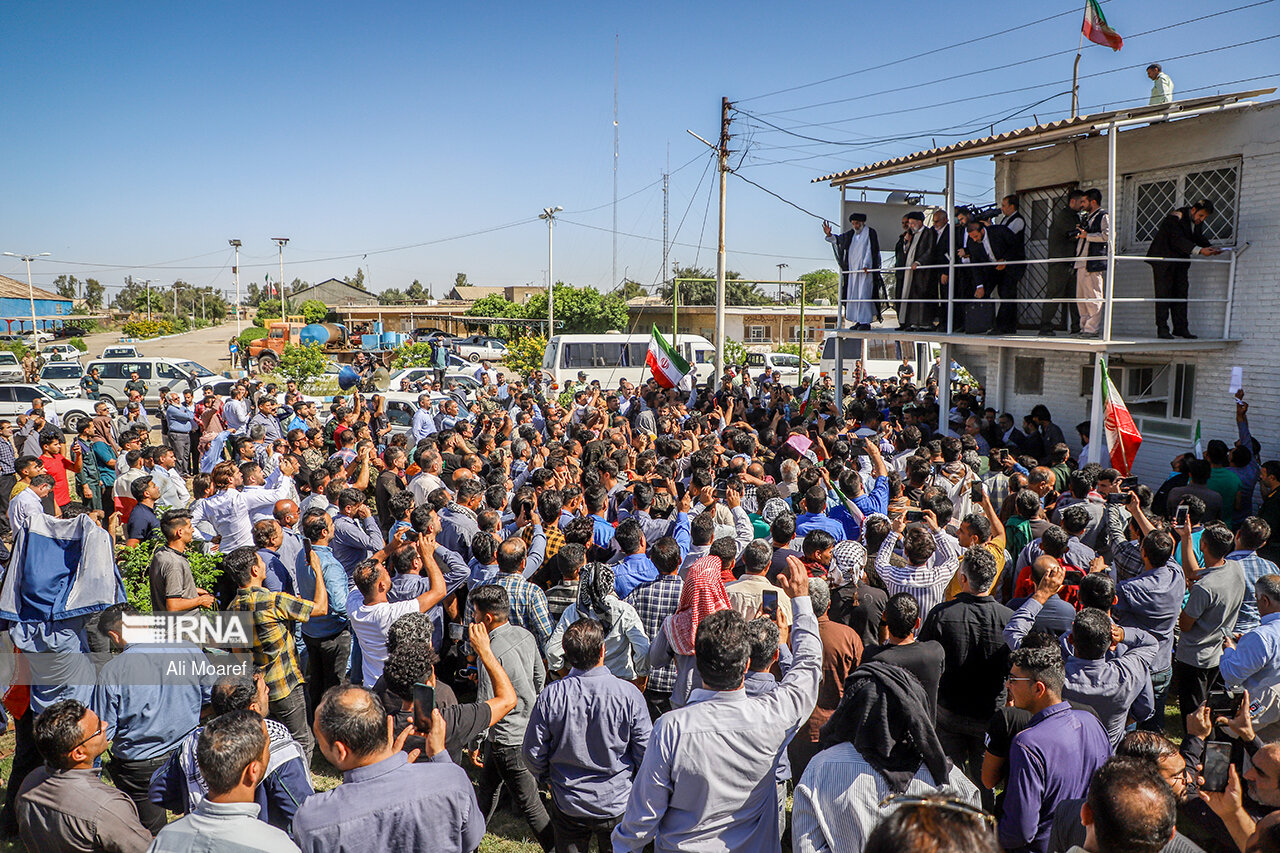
{"points": [[57, 465]]}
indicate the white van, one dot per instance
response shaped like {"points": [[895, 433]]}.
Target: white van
{"points": [[613, 356], [883, 357]]}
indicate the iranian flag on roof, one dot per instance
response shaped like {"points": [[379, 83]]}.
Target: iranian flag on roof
{"points": [[1123, 438], [667, 365], [1096, 29]]}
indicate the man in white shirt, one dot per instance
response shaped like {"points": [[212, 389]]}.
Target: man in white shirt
{"points": [[371, 615], [173, 489], [1162, 87], [229, 509], [428, 480], [235, 412]]}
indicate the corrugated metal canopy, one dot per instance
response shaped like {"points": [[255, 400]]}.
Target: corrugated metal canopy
{"points": [[1033, 137]]}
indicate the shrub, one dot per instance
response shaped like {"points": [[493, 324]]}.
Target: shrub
{"points": [[148, 328], [412, 355], [303, 363], [79, 344], [314, 311], [524, 355], [252, 333]]}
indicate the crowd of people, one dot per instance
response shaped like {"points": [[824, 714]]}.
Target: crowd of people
{"points": [[989, 249], [721, 621]]}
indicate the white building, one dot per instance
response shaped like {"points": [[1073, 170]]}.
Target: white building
{"points": [[1146, 161]]}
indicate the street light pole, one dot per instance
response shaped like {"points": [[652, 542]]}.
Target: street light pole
{"points": [[235, 269], [148, 283], [549, 214], [31, 291], [284, 299]]}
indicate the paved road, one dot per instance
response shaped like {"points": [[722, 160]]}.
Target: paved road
{"points": [[206, 346]]}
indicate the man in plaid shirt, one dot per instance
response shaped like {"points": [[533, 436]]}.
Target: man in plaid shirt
{"points": [[655, 601], [528, 602], [274, 652]]}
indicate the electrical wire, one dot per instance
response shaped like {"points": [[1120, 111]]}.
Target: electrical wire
{"points": [[965, 43], [1039, 58]]}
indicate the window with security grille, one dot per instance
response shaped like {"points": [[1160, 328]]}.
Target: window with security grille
{"points": [[757, 333], [1160, 396], [1150, 196]]}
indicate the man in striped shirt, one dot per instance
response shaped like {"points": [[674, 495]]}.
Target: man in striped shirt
{"points": [[931, 557]]}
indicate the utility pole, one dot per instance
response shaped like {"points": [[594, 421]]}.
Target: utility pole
{"points": [[284, 298], [615, 160], [235, 270], [723, 154], [148, 299], [549, 214], [666, 195], [31, 293]]}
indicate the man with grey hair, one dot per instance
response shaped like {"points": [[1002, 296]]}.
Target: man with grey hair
{"points": [[747, 593], [1253, 661], [841, 654]]}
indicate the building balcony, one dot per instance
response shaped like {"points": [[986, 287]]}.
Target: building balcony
{"points": [[1128, 312]]}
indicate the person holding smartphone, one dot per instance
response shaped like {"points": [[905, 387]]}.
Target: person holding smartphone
{"points": [[1216, 591]]}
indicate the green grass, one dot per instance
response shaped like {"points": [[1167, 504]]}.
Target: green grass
{"points": [[507, 832]]}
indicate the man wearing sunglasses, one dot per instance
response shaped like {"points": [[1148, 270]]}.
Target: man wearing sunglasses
{"points": [[65, 804]]}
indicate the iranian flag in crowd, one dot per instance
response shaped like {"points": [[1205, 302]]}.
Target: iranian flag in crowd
{"points": [[1096, 30], [667, 365], [1123, 438], [804, 403], [1199, 445]]}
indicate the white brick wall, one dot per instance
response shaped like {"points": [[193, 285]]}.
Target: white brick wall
{"points": [[1251, 133]]}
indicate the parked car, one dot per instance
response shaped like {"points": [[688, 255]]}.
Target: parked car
{"points": [[60, 352], [63, 375], [121, 351], [16, 399], [426, 334], [10, 367], [789, 367], [160, 374], [402, 406], [479, 347]]}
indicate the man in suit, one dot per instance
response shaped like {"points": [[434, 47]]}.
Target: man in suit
{"points": [[1062, 244], [900, 263], [1181, 232], [858, 253], [916, 282], [994, 244], [937, 259]]}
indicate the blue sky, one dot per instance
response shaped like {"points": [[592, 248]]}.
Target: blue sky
{"points": [[141, 136]]}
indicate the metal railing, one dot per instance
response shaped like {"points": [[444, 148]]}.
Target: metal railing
{"points": [[1109, 298]]}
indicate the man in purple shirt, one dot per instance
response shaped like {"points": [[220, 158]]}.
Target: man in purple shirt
{"points": [[587, 735], [1051, 760]]}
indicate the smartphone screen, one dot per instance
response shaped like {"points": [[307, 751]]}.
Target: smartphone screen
{"points": [[975, 492], [1180, 516], [769, 602], [914, 515], [1217, 758], [424, 701]]}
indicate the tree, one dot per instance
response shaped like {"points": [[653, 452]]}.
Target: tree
{"points": [[579, 310], [498, 306], [413, 355], [268, 309], [629, 290], [314, 311], [357, 280], [524, 354], [298, 286], [416, 292], [392, 296], [736, 291], [68, 286], [460, 280], [133, 297], [254, 294], [821, 284], [93, 294], [302, 363]]}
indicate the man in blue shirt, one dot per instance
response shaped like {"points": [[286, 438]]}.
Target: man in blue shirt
{"points": [[326, 637], [815, 515], [181, 420], [1251, 534], [424, 423], [149, 698], [1051, 760], [1253, 661], [587, 735], [385, 797], [597, 500], [635, 568]]}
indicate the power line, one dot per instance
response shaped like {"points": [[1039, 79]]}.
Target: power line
{"points": [[690, 245], [1039, 58], [965, 43]]}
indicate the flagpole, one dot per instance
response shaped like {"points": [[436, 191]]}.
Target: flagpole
{"points": [[1075, 70]]}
